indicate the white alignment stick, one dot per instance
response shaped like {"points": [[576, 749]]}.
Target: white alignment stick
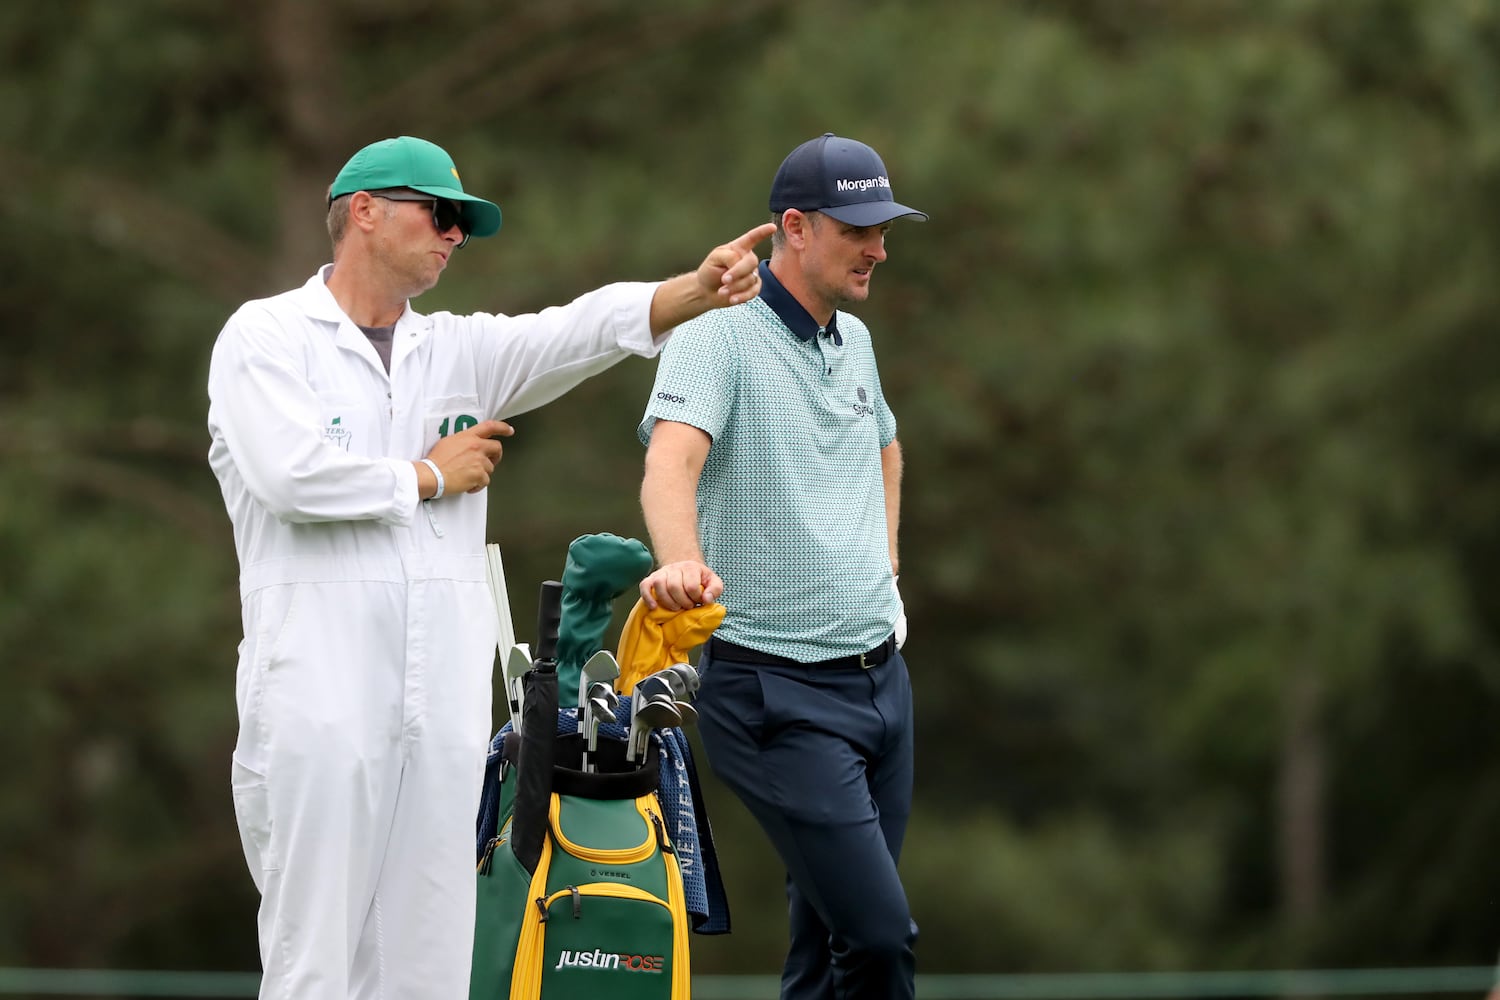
{"points": [[495, 573]]}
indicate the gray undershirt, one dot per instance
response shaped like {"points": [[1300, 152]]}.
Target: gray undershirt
{"points": [[380, 339]]}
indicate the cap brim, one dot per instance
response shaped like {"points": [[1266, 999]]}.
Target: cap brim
{"points": [[873, 213], [481, 218]]}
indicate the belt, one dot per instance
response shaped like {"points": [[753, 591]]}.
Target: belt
{"points": [[718, 649]]}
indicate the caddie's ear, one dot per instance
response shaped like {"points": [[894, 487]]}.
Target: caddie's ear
{"points": [[365, 210]]}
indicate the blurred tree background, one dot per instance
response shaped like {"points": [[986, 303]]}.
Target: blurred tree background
{"points": [[1193, 365]]}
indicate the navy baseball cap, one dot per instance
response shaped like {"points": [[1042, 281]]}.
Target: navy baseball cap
{"points": [[841, 178]]}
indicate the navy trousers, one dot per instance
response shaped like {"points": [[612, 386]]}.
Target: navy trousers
{"points": [[822, 758]]}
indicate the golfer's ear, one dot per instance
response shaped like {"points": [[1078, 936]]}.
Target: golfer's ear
{"points": [[795, 224]]}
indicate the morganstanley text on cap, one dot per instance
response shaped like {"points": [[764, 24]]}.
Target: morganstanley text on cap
{"points": [[841, 178], [409, 162]]}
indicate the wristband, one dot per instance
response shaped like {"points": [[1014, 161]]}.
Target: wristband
{"points": [[436, 472]]}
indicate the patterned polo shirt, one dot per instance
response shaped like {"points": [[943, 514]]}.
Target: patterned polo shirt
{"points": [[791, 502]]}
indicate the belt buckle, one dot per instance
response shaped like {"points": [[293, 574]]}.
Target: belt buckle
{"points": [[862, 664]]}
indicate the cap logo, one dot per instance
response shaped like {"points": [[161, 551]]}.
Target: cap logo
{"points": [[862, 184]]}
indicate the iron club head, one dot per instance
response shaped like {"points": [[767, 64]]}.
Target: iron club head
{"points": [[652, 706], [689, 676], [517, 662], [597, 669], [683, 680], [602, 701]]}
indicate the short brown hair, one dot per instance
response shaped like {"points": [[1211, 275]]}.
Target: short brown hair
{"points": [[778, 238], [338, 218]]}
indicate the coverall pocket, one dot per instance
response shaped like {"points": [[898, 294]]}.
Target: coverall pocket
{"points": [[449, 415], [252, 810], [269, 611]]}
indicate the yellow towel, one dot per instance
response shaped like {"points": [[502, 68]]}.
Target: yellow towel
{"points": [[654, 640]]}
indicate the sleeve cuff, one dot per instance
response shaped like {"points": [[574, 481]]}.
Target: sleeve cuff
{"points": [[405, 499], [633, 319]]}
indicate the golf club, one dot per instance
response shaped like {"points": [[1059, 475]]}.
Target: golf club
{"points": [[597, 673], [599, 667], [683, 680], [689, 675], [602, 704], [517, 662], [652, 706]]}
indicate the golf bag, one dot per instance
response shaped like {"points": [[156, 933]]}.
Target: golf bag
{"points": [[580, 893]]}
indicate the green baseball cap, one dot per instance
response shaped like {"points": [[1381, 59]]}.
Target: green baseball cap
{"points": [[409, 162]]}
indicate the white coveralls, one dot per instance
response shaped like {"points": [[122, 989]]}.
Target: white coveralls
{"points": [[363, 683]]}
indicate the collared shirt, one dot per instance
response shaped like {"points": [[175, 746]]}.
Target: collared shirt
{"points": [[791, 502], [797, 319]]}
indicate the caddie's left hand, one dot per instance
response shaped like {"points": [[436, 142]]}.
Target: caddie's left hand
{"points": [[900, 614], [730, 273]]}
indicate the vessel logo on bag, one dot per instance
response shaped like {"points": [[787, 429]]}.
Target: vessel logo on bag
{"points": [[609, 961], [336, 433], [608, 873]]}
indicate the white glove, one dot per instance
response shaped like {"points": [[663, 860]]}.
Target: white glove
{"points": [[900, 614]]}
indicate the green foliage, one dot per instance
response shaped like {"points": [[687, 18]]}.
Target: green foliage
{"points": [[1194, 368]]}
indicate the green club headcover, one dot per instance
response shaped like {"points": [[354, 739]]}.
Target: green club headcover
{"points": [[599, 569]]}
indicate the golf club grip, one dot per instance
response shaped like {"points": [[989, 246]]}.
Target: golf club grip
{"points": [[548, 615]]}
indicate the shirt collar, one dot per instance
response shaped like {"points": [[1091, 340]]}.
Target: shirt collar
{"points": [[319, 302], [785, 305]]}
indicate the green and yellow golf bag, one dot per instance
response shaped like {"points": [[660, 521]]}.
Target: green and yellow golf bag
{"points": [[580, 890], [601, 912]]}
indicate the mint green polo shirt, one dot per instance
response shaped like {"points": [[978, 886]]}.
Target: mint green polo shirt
{"points": [[791, 502]]}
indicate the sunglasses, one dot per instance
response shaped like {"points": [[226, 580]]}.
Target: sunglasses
{"points": [[445, 214]]}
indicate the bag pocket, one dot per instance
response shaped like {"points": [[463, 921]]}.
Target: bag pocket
{"points": [[605, 939], [502, 883], [619, 831]]}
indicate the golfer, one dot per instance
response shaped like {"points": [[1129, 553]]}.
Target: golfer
{"points": [[354, 439], [773, 478]]}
